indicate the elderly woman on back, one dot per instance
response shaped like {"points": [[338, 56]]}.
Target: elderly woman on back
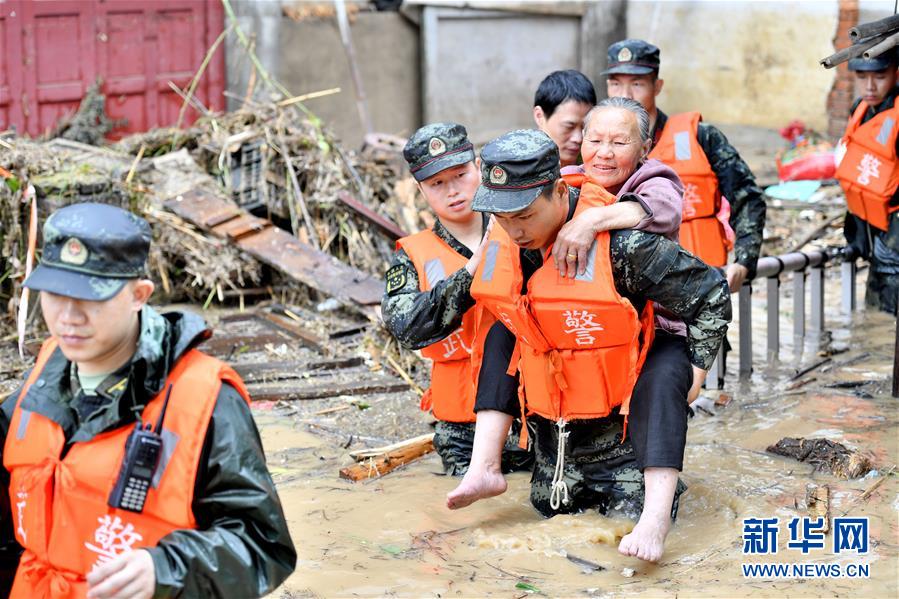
{"points": [[650, 194]]}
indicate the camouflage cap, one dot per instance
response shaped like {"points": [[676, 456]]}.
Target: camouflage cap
{"points": [[437, 147], [515, 168], [90, 251], [632, 57], [878, 63]]}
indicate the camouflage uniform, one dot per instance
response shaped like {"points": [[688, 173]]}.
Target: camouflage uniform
{"points": [[737, 183], [421, 318], [601, 471], [880, 248]]}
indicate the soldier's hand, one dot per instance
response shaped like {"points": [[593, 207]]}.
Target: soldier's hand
{"points": [[698, 379], [571, 244], [472, 265], [736, 275], [128, 575]]}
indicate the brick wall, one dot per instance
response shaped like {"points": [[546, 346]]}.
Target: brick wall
{"points": [[839, 101]]}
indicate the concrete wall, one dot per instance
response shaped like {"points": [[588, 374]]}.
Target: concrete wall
{"points": [[308, 56], [481, 70], [748, 63]]}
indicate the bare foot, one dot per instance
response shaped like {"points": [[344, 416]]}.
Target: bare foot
{"points": [[476, 485], [647, 540]]}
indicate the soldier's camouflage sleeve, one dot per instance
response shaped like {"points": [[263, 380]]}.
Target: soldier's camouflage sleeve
{"points": [[654, 268], [420, 318], [737, 184]]}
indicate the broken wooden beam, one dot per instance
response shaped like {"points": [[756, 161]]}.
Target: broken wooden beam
{"points": [[375, 465], [326, 389], [386, 225], [824, 455], [279, 249]]}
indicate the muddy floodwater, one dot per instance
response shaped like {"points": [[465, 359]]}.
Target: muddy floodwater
{"points": [[394, 536]]}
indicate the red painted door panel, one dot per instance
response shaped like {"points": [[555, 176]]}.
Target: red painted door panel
{"points": [[55, 49]]}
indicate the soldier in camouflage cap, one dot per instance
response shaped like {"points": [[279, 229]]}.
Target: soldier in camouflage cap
{"points": [[91, 251], [522, 188], [107, 365], [427, 305], [633, 72]]}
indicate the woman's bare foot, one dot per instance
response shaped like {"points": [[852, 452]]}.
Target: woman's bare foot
{"points": [[476, 485], [647, 540]]}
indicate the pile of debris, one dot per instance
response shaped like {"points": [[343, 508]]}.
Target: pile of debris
{"points": [[266, 161]]}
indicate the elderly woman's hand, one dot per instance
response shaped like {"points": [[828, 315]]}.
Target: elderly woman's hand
{"points": [[577, 235], [574, 239]]}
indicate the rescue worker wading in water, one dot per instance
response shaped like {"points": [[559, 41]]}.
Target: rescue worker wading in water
{"points": [[194, 512], [869, 175], [582, 341], [427, 306]]}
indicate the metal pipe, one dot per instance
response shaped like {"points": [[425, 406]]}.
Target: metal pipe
{"points": [[745, 301], [773, 300], [715, 377], [772, 265]]}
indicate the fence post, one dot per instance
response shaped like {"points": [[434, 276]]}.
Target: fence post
{"points": [[715, 377], [773, 317], [745, 307], [799, 304], [847, 275], [816, 282]]}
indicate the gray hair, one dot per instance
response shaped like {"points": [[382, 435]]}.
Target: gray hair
{"points": [[626, 104]]}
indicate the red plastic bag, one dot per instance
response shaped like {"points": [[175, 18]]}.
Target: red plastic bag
{"points": [[813, 166]]}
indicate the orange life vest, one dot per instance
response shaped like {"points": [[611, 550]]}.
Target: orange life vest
{"points": [[59, 504], [456, 359], [701, 233], [869, 171], [581, 344]]}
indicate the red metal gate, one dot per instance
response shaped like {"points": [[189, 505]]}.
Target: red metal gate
{"points": [[51, 51]]}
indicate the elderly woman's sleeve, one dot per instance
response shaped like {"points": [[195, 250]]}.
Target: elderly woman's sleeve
{"points": [[653, 268], [662, 198]]}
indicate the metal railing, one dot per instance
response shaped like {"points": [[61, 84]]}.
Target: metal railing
{"points": [[808, 271]]}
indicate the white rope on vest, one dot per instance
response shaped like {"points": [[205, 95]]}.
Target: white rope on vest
{"points": [[559, 493]]}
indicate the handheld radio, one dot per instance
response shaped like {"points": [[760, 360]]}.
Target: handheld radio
{"points": [[142, 452]]}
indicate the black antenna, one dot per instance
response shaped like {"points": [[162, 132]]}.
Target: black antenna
{"points": [[165, 404]]}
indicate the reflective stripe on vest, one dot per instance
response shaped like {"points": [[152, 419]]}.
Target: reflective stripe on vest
{"points": [[581, 343], [59, 505], [869, 171], [678, 147], [457, 359]]}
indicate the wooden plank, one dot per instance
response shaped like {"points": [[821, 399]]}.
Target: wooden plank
{"points": [[386, 225], [379, 465], [281, 250], [253, 371], [306, 336], [224, 344], [328, 389]]}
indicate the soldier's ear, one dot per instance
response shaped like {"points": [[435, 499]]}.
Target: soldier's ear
{"points": [[539, 117], [142, 290], [660, 83]]}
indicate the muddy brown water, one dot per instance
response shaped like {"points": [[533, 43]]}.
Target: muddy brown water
{"points": [[394, 536]]}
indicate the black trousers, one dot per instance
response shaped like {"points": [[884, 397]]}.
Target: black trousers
{"points": [[657, 425]]}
